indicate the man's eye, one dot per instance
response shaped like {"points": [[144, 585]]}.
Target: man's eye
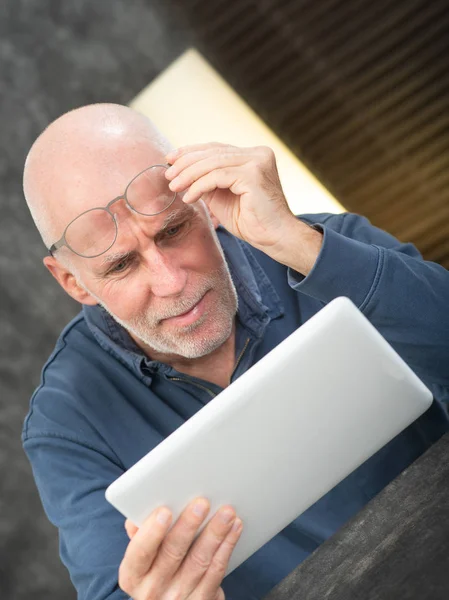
{"points": [[173, 231], [119, 267]]}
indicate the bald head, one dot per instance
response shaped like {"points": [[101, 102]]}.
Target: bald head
{"points": [[84, 159]]}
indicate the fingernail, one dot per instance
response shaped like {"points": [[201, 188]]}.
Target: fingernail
{"points": [[200, 508], [173, 183], [227, 515], [163, 516], [169, 171], [237, 525]]}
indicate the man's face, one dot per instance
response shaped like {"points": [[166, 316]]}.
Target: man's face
{"points": [[159, 268]]}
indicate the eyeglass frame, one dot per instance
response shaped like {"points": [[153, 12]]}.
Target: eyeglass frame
{"points": [[62, 240]]}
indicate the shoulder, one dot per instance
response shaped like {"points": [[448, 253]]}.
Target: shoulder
{"points": [[65, 378], [75, 351]]}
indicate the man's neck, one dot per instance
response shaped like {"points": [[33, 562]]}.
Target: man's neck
{"points": [[216, 367]]}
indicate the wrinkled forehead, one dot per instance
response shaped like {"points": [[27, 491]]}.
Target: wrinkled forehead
{"points": [[152, 226], [96, 178], [106, 177]]}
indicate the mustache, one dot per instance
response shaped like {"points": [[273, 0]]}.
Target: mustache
{"points": [[155, 315], [181, 307]]}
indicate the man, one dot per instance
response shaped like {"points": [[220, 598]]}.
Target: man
{"points": [[188, 275]]}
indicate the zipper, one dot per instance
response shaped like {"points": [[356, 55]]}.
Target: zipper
{"points": [[203, 387], [240, 357], [198, 385]]}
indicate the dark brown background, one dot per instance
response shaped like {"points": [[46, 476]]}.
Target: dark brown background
{"points": [[358, 89]]}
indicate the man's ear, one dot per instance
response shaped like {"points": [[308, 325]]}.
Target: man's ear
{"points": [[213, 218], [68, 282]]}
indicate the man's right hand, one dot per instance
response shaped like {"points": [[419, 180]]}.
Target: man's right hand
{"points": [[162, 565]]}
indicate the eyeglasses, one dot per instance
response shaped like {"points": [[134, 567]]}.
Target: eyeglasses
{"points": [[94, 231]]}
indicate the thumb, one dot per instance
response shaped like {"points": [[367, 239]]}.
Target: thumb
{"points": [[220, 594], [131, 529]]}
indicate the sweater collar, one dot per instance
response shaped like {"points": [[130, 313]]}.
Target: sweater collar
{"points": [[258, 304]]}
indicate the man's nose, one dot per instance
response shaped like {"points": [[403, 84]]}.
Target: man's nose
{"points": [[167, 278]]}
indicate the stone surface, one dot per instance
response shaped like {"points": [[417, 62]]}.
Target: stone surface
{"points": [[396, 548]]}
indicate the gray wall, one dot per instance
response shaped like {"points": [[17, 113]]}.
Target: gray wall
{"points": [[54, 56]]}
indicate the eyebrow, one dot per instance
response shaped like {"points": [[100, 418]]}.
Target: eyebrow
{"points": [[185, 211], [115, 256], [174, 215]]}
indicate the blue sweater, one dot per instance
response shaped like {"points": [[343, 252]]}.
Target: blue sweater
{"points": [[102, 404]]}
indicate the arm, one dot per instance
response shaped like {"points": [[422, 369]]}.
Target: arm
{"points": [[404, 296], [71, 478]]}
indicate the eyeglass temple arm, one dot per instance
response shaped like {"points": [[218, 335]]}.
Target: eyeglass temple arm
{"points": [[56, 246]]}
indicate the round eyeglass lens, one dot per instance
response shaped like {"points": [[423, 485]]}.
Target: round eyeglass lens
{"points": [[148, 193], [92, 233]]}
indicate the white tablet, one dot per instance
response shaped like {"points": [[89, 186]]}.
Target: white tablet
{"points": [[285, 432]]}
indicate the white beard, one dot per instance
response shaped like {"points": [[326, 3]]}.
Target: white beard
{"points": [[185, 342]]}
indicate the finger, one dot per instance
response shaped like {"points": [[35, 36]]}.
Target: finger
{"points": [[175, 546], [204, 548], [184, 151], [191, 173], [220, 595], [142, 549], [189, 158], [217, 569], [226, 179], [131, 529], [175, 154]]}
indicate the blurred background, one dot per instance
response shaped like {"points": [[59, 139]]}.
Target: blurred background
{"points": [[353, 93]]}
